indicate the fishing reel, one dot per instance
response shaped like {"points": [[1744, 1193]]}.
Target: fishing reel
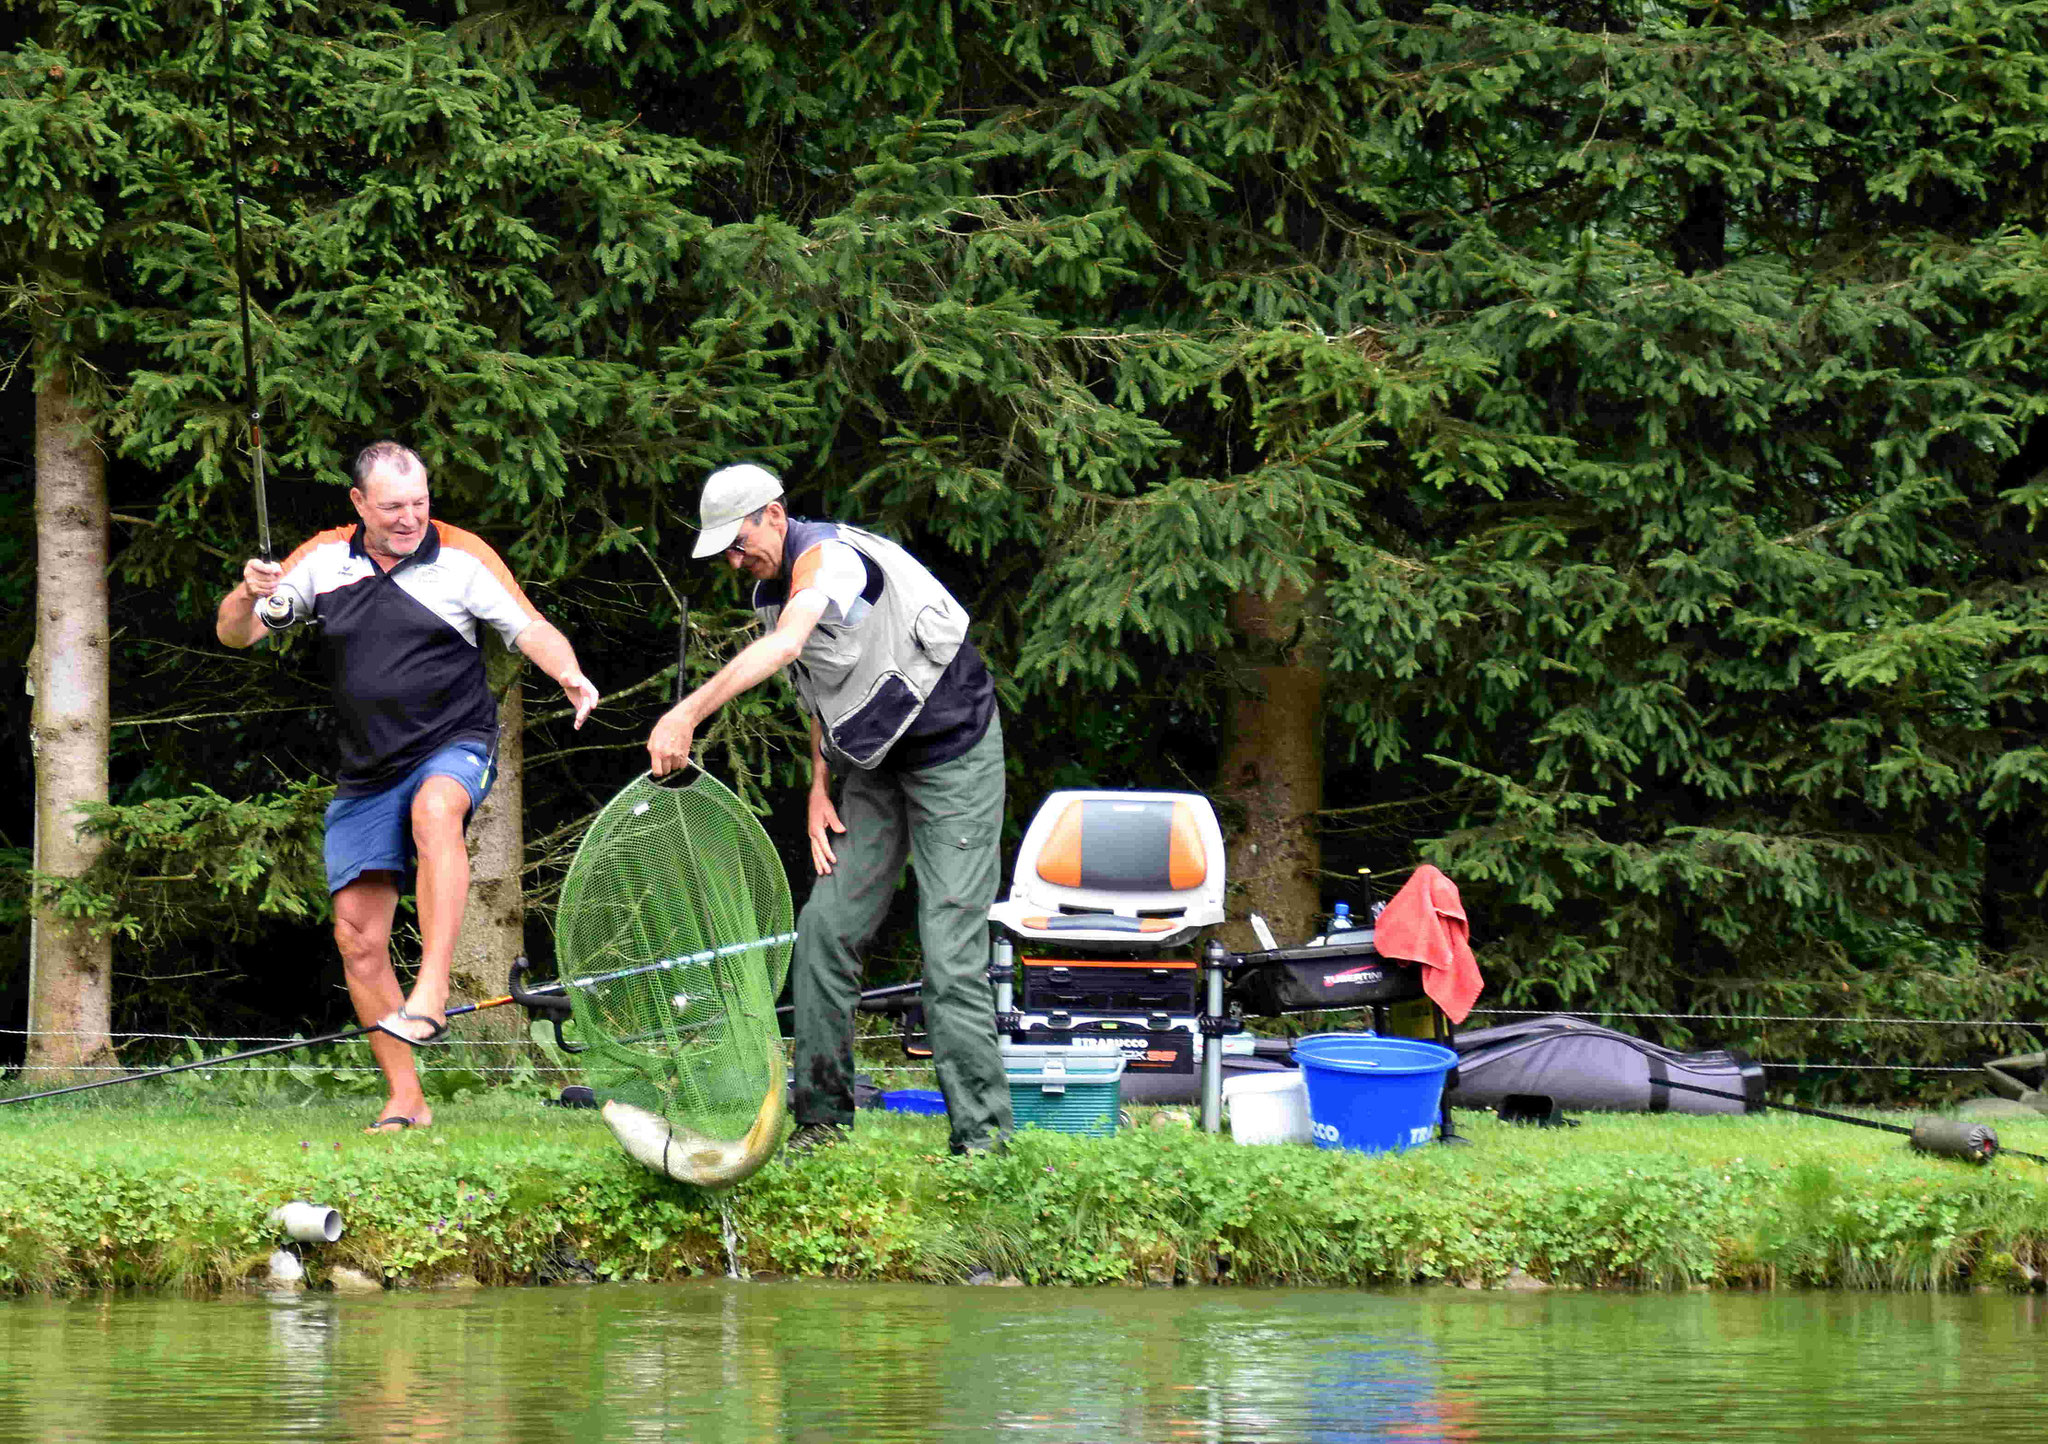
{"points": [[278, 611]]}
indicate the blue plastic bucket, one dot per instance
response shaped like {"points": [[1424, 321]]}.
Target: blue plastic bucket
{"points": [[1373, 1094]]}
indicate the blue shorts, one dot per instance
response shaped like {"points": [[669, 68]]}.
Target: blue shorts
{"points": [[374, 833]]}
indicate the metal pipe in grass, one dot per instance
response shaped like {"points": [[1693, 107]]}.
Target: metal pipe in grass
{"points": [[1944, 1137], [303, 1222]]}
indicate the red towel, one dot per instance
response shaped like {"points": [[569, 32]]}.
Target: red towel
{"points": [[1425, 923]]}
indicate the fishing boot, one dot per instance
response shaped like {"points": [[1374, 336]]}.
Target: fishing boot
{"points": [[812, 1137]]}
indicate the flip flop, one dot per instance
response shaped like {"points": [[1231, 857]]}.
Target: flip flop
{"points": [[402, 1123], [437, 1028]]}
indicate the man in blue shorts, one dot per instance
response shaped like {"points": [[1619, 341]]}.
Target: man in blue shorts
{"points": [[398, 598], [903, 716]]}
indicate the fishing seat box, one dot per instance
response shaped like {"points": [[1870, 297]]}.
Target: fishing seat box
{"points": [[1063, 1090], [1120, 873], [1109, 892]]}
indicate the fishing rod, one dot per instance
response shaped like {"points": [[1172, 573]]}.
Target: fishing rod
{"points": [[889, 999], [294, 1044], [1948, 1137], [549, 1000], [277, 610], [682, 960]]}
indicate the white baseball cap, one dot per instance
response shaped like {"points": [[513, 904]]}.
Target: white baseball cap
{"points": [[731, 495]]}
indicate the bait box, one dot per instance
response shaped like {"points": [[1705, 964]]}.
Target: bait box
{"points": [[1162, 1053], [1062, 1090]]}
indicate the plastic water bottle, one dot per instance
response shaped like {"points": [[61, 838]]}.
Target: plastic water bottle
{"points": [[1340, 922]]}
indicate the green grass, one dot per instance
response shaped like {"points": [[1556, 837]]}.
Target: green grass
{"points": [[173, 1193]]}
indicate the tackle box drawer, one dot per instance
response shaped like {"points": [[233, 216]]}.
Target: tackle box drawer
{"points": [[1159, 1044], [1153, 985]]}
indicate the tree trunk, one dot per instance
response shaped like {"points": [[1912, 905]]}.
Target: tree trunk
{"points": [[494, 918], [70, 1009], [1270, 782]]}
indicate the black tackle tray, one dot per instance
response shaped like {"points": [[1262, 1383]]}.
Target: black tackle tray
{"points": [[1347, 972], [1150, 986]]}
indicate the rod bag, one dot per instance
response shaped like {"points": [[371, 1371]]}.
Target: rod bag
{"points": [[1577, 1064]]}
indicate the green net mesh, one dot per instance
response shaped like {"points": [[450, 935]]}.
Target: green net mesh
{"points": [[672, 941]]}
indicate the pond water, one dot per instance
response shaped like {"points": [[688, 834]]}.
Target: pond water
{"points": [[732, 1362]]}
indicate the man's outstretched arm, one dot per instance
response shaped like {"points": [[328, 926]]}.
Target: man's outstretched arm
{"points": [[546, 647], [669, 746]]}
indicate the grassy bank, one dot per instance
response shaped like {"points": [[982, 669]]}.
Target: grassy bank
{"points": [[173, 1195]]}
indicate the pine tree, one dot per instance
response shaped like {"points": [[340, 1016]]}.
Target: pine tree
{"points": [[1594, 449], [437, 250], [1618, 397]]}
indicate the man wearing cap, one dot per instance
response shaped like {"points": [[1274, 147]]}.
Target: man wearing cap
{"points": [[903, 713]]}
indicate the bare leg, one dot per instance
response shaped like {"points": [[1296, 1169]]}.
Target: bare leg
{"points": [[438, 811], [362, 931]]}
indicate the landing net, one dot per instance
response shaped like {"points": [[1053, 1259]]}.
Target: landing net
{"points": [[672, 941]]}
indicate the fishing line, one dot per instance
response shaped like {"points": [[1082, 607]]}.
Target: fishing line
{"points": [[1753, 1017]]}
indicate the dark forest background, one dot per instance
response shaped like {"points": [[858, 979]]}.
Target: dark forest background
{"points": [[1595, 448]]}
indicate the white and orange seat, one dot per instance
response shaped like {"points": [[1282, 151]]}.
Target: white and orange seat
{"points": [[1124, 870]]}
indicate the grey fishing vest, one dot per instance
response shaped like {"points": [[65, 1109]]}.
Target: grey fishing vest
{"points": [[867, 681]]}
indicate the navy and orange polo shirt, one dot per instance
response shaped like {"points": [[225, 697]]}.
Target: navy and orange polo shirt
{"points": [[401, 648]]}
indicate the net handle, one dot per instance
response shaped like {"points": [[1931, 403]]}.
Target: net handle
{"points": [[682, 687]]}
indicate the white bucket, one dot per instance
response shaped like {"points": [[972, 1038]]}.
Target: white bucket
{"points": [[1268, 1107]]}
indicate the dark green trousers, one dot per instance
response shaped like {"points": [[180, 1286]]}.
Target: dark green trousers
{"points": [[947, 822]]}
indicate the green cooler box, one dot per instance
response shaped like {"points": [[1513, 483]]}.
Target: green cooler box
{"points": [[1065, 1090]]}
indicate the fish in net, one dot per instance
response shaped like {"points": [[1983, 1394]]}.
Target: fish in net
{"points": [[673, 939]]}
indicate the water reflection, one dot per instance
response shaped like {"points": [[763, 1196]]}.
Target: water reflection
{"points": [[737, 1363]]}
